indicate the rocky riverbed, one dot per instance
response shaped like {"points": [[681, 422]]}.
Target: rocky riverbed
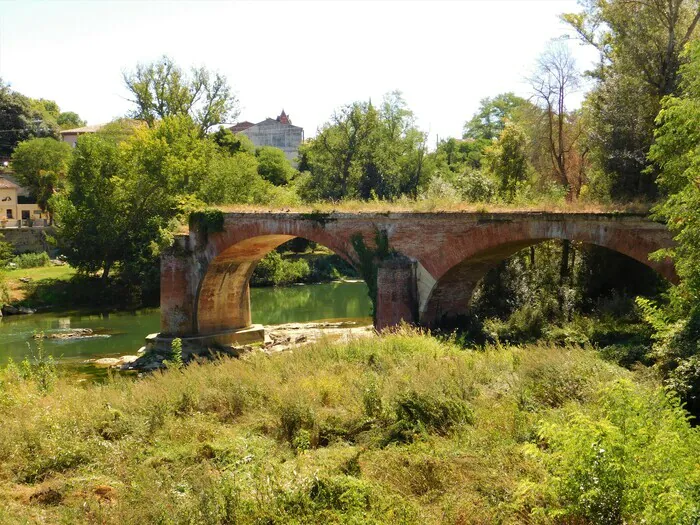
{"points": [[278, 338]]}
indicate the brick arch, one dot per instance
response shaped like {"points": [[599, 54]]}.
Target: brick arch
{"points": [[222, 299], [460, 270]]}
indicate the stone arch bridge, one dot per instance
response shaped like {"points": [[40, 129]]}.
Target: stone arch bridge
{"points": [[437, 259]]}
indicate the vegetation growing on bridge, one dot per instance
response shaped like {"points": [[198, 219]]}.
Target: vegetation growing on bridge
{"points": [[404, 428]]}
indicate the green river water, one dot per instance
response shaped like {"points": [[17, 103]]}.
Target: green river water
{"points": [[123, 332]]}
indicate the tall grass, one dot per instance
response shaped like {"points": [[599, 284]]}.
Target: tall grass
{"points": [[399, 429]]}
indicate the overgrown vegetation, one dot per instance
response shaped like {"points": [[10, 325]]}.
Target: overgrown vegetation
{"points": [[30, 260], [403, 428]]}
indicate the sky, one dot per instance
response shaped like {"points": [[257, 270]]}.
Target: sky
{"points": [[306, 57]]}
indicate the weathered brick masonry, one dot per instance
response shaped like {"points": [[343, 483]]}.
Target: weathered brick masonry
{"points": [[439, 259]]}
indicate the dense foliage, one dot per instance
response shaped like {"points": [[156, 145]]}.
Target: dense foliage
{"points": [[40, 166], [23, 118], [675, 154]]}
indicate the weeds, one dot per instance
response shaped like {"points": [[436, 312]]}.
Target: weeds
{"points": [[403, 428]]}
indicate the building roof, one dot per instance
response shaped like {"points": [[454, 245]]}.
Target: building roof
{"points": [[241, 126], [84, 129], [6, 184], [283, 118]]}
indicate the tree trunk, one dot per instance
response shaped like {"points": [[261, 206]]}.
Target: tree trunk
{"points": [[105, 273]]}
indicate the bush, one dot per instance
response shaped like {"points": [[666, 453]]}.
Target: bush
{"points": [[273, 270], [525, 324], [630, 459], [418, 414], [4, 290], [31, 260], [6, 251]]}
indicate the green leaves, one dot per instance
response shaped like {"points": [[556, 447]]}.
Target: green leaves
{"points": [[631, 458], [161, 89], [41, 165]]}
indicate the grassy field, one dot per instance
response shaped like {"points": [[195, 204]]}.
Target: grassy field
{"points": [[39, 277], [404, 428]]}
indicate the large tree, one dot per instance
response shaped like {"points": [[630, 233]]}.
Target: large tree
{"points": [[365, 152], [555, 78], [124, 195], [21, 118], [676, 155], [493, 114], [640, 45], [40, 165], [162, 89]]}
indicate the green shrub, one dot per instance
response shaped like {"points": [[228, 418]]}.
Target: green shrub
{"points": [[273, 270], [31, 260], [631, 458], [295, 417], [418, 413], [175, 360], [6, 251], [525, 324], [4, 290]]}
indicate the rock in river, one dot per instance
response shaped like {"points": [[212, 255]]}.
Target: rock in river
{"points": [[70, 334]]}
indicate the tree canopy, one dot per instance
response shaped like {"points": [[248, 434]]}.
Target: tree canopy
{"points": [[162, 89]]}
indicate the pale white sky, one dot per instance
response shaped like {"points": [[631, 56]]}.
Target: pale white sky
{"points": [[306, 57]]}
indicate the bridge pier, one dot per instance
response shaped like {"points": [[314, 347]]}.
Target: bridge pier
{"points": [[397, 293], [178, 291]]}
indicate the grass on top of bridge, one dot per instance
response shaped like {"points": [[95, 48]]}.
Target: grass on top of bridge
{"points": [[432, 205], [403, 428]]}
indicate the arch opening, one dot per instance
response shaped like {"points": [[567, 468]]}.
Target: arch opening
{"points": [[223, 300], [451, 298]]}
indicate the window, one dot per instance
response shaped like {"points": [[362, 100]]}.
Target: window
{"points": [[9, 214], [25, 215]]}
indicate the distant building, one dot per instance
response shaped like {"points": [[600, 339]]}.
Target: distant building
{"points": [[16, 207], [71, 135], [278, 132]]}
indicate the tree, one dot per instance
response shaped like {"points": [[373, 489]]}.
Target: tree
{"points": [[40, 165], [273, 165], [554, 80], [69, 120], [640, 45], [365, 152], [124, 196], [233, 142], [490, 120], [333, 155], [676, 156], [508, 160], [161, 89], [22, 119]]}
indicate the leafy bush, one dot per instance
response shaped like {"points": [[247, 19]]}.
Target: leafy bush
{"points": [[629, 459], [418, 413], [6, 251], [4, 290], [175, 360], [273, 270], [525, 324], [31, 260]]}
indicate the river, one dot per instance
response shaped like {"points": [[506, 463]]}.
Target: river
{"points": [[123, 332]]}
